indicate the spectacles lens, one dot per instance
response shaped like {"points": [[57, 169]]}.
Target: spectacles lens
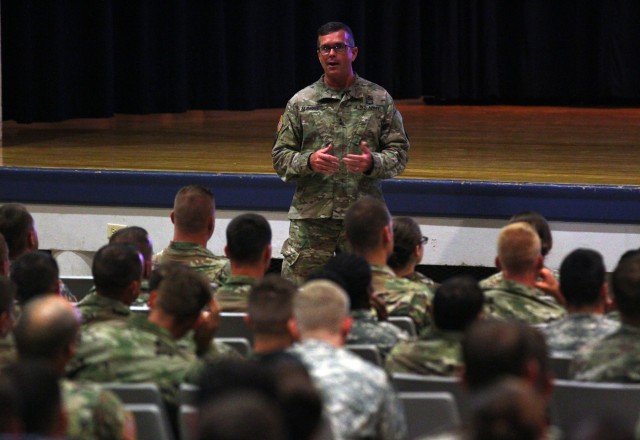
{"points": [[338, 47], [424, 240]]}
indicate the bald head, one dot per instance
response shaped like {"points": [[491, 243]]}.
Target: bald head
{"points": [[320, 305], [193, 210], [518, 248], [47, 327]]}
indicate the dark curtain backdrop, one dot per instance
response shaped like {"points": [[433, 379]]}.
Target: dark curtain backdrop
{"points": [[65, 59]]}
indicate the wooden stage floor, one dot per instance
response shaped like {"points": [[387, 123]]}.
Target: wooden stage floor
{"points": [[476, 143]]}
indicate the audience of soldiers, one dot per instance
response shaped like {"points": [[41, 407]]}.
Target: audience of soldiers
{"points": [[300, 379]]}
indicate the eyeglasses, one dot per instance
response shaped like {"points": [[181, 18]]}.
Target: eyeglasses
{"points": [[325, 49], [424, 240]]}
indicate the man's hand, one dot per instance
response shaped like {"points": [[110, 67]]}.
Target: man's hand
{"points": [[359, 163], [323, 162], [550, 285], [206, 326]]}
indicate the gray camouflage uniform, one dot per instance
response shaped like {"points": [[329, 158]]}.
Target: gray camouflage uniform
{"points": [[357, 395], [366, 329], [314, 118], [567, 335]]}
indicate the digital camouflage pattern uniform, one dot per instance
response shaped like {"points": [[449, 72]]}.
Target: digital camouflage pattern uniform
{"points": [[215, 268], [97, 308], [134, 351], [94, 413], [233, 294], [357, 395], [402, 297], [366, 329], [436, 353], [614, 358], [314, 118], [418, 277], [513, 300], [567, 335]]}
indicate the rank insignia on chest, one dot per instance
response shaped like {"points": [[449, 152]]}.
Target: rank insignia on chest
{"points": [[369, 100]]}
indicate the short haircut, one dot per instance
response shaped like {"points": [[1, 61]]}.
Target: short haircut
{"points": [[582, 274], [35, 273], [182, 292], [193, 206], [15, 225], [364, 222], [335, 26], [137, 236], [7, 294], [40, 398], [247, 237], [493, 349], [457, 303], [625, 283], [352, 273], [518, 247], [270, 304], [406, 236], [114, 268], [320, 305], [47, 325], [540, 225]]}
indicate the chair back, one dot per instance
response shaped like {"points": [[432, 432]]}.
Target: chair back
{"points": [[151, 423], [368, 352], [560, 366], [429, 412], [404, 323], [232, 325]]}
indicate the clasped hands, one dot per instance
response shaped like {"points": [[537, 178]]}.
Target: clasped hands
{"points": [[323, 162]]}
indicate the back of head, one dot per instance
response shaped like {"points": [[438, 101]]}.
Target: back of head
{"points": [[182, 292], [625, 282], [364, 222], [335, 26], [114, 268], [15, 225], [353, 274], [46, 328], [320, 305], [508, 410], [493, 349], [247, 237], [540, 225], [193, 208], [138, 237], [270, 305], [39, 405], [582, 275], [457, 303], [406, 236], [518, 248], [35, 273]]}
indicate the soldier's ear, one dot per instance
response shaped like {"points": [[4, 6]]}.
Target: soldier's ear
{"points": [[152, 299], [498, 263]]}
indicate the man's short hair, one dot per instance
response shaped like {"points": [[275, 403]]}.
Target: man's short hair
{"points": [[457, 303], [320, 305], [193, 206], [335, 26], [493, 349], [7, 294], [47, 325], [364, 222], [35, 273], [114, 268], [182, 292], [270, 304], [247, 237], [625, 283], [406, 236], [352, 273], [137, 236], [540, 225], [582, 275], [15, 225], [518, 247]]}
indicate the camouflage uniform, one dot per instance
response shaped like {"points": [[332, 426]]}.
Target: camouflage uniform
{"points": [[7, 350], [366, 329], [494, 280], [437, 352], [215, 268], [131, 352], [566, 336], [357, 395], [94, 413], [402, 297], [513, 300], [614, 358], [315, 117], [97, 308], [418, 277], [233, 294]]}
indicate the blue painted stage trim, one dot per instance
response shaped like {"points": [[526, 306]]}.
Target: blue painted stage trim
{"points": [[586, 203]]}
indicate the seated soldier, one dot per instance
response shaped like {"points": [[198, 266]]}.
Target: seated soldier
{"points": [[139, 238], [408, 250], [457, 303], [35, 273]]}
